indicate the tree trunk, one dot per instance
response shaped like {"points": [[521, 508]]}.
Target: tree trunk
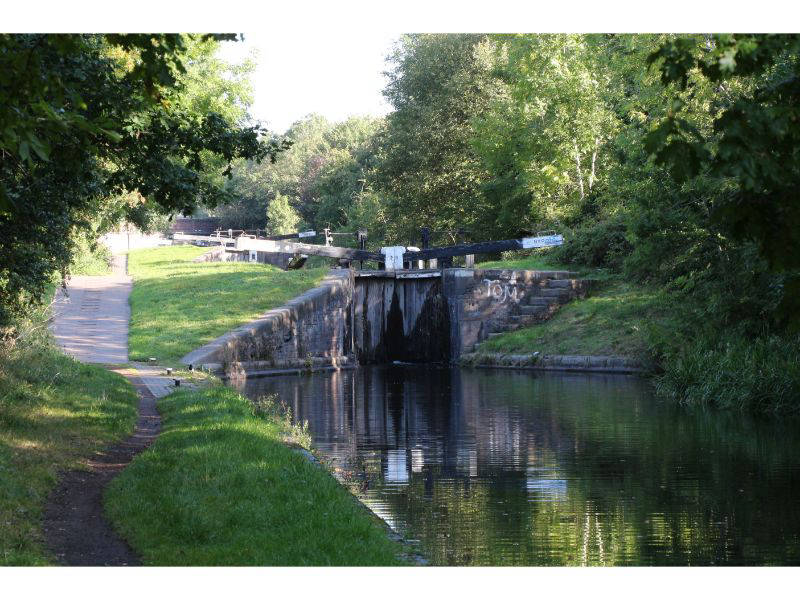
{"points": [[578, 169], [594, 157]]}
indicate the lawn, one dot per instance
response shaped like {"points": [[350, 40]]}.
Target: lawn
{"points": [[54, 411], [178, 305], [540, 260], [534, 262], [220, 487], [613, 320]]}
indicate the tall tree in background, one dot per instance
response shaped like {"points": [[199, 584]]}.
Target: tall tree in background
{"points": [[544, 139], [326, 176], [429, 172]]}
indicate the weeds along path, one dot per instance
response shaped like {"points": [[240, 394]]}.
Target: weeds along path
{"points": [[90, 322]]}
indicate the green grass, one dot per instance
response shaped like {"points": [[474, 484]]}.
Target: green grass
{"points": [[91, 262], [534, 262], [760, 374], [178, 305], [613, 320], [541, 260], [53, 412], [219, 487]]}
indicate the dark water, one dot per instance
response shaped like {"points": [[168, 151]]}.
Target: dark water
{"points": [[511, 468]]}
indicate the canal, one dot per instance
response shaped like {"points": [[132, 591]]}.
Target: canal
{"points": [[498, 467]]}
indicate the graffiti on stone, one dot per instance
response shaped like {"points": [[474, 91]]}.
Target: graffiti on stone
{"points": [[502, 291]]}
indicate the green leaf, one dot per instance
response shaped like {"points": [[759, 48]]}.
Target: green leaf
{"points": [[24, 151], [112, 135]]}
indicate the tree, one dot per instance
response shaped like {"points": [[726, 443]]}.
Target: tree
{"points": [[544, 139], [84, 118], [428, 171], [753, 145], [281, 218], [326, 176]]}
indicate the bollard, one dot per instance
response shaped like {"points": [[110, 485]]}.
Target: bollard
{"points": [[177, 382], [169, 370]]}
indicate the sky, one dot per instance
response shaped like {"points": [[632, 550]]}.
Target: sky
{"points": [[333, 73]]}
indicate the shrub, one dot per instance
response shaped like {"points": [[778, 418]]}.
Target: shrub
{"points": [[596, 244]]}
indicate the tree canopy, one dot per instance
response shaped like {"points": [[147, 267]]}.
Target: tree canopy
{"points": [[86, 118]]}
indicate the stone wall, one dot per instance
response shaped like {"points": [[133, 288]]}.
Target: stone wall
{"points": [[486, 301], [379, 317], [311, 330], [221, 254]]}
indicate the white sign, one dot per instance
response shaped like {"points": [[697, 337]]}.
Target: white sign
{"points": [[305, 234], [542, 241]]}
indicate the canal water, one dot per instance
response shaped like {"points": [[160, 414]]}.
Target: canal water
{"points": [[499, 467]]}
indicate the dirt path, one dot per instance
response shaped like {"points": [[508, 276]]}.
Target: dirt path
{"points": [[91, 323], [75, 529]]}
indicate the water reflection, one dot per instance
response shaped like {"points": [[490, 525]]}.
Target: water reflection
{"points": [[500, 467]]}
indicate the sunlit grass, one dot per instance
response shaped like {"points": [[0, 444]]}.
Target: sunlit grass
{"points": [[220, 487], [178, 305], [613, 320], [53, 412]]}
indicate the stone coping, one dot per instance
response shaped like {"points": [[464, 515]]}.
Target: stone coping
{"points": [[210, 353], [557, 362]]}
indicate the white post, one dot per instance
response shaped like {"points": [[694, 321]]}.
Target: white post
{"points": [[394, 257]]}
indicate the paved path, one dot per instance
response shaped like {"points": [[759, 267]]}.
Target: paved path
{"points": [[90, 321]]}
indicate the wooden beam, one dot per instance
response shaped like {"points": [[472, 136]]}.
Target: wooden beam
{"points": [[485, 247], [291, 236], [464, 249], [244, 243]]}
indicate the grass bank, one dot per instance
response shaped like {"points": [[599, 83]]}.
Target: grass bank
{"points": [[54, 411], [220, 487], [696, 364], [178, 305], [614, 319]]}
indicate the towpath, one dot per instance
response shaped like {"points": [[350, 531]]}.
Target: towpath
{"points": [[90, 322]]}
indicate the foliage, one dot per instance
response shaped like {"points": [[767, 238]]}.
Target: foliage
{"points": [[244, 498], [90, 258], [178, 305], [54, 413], [326, 177], [429, 173], [84, 118], [752, 145], [544, 138], [736, 372], [596, 244], [281, 218]]}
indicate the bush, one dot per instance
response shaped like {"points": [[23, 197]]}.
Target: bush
{"points": [[596, 244], [90, 258]]}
